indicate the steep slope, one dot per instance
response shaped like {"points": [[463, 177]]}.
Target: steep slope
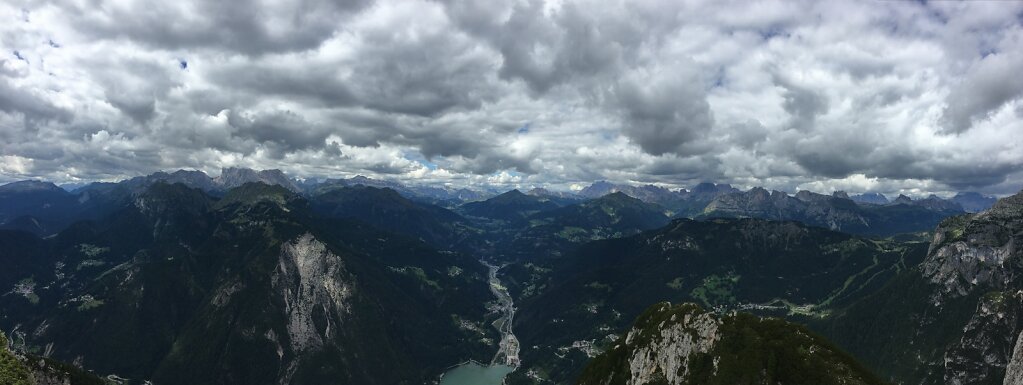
{"points": [[512, 206], [251, 289], [954, 319], [12, 371], [774, 268], [683, 344], [18, 368]]}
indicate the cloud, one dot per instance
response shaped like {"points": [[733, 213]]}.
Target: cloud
{"points": [[991, 83], [802, 104], [664, 109], [251, 27], [892, 96]]}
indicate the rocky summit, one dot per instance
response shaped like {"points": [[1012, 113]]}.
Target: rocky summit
{"points": [[684, 344]]}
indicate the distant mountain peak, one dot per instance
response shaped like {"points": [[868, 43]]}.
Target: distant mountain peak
{"points": [[513, 192], [231, 177], [903, 199], [973, 201], [30, 186], [618, 196], [870, 198]]}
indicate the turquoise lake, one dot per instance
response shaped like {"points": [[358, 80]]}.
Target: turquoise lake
{"points": [[475, 374]]}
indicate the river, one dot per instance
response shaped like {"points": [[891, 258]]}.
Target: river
{"points": [[507, 357]]}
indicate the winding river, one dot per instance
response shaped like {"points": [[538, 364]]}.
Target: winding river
{"points": [[507, 357]]}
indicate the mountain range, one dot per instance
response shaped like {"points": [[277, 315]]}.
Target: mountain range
{"points": [[44, 208], [252, 277]]}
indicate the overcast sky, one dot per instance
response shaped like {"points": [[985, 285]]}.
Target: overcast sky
{"points": [[887, 96]]}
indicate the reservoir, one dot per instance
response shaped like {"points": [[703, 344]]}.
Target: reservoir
{"points": [[475, 374]]}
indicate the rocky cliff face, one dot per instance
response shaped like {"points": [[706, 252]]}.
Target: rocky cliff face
{"points": [[233, 177], [985, 348], [670, 349], [1014, 371], [979, 255], [954, 319], [311, 280], [683, 344], [253, 289]]}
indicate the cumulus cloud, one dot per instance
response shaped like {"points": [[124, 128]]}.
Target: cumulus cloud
{"points": [[888, 97], [664, 109], [991, 83]]}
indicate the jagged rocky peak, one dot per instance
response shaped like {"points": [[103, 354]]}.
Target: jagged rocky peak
{"points": [[935, 202], [647, 193], [684, 344], [870, 198], [711, 188], [598, 188], [234, 176], [903, 199], [810, 196]]}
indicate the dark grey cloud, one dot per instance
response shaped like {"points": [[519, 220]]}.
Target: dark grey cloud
{"points": [[991, 83], [664, 111], [803, 104], [250, 27], [24, 102], [279, 132]]}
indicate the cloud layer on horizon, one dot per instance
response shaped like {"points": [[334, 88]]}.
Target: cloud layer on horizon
{"points": [[861, 96]]}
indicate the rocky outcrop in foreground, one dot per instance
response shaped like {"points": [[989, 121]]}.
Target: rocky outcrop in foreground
{"points": [[683, 344]]}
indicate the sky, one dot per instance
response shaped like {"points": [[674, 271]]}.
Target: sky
{"points": [[861, 96]]}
